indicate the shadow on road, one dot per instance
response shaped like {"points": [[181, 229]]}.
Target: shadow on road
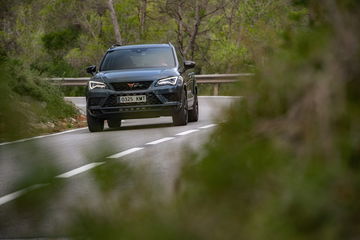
{"points": [[143, 126]]}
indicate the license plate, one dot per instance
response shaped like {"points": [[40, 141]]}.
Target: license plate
{"points": [[132, 99]]}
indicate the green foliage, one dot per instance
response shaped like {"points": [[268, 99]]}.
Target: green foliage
{"points": [[60, 39], [229, 58], [128, 19], [27, 84], [27, 100], [9, 128], [285, 165], [57, 44], [55, 68]]}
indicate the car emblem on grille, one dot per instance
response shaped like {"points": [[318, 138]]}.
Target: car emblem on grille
{"points": [[132, 85]]}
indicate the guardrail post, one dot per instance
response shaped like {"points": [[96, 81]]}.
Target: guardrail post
{"points": [[216, 89]]}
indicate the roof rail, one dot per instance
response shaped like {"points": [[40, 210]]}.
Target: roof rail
{"points": [[115, 45]]}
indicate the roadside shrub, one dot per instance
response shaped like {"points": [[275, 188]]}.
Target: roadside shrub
{"points": [[62, 39], [27, 100]]}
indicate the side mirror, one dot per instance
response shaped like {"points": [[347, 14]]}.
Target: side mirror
{"points": [[189, 64], [91, 69]]}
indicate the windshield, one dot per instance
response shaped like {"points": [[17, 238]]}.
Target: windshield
{"points": [[152, 57]]}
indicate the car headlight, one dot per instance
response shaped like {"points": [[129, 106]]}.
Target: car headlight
{"points": [[95, 84], [169, 81]]}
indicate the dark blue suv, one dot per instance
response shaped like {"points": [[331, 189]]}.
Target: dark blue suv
{"points": [[141, 81]]}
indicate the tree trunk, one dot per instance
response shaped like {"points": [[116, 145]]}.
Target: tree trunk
{"points": [[142, 16], [234, 8], [180, 38], [115, 22], [191, 46]]}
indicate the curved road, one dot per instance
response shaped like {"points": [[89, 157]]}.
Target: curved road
{"points": [[60, 167]]}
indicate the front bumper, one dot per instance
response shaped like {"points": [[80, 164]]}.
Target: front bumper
{"points": [[103, 103]]}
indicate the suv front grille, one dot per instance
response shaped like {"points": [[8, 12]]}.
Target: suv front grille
{"points": [[131, 86], [151, 99]]}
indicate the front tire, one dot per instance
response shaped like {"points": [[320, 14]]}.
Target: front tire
{"points": [[94, 124], [194, 113], [180, 117]]}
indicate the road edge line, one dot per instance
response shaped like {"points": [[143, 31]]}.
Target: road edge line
{"points": [[42, 136]]}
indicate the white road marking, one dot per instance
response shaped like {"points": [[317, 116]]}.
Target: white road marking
{"points": [[223, 97], [42, 136], [187, 132], [11, 196], [208, 126], [15, 195], [76, 171], [87, 167], [79, 170], [124, 153], [160, 141]]}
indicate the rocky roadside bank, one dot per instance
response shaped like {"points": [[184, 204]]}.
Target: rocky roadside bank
{"points": [[78, 121]]}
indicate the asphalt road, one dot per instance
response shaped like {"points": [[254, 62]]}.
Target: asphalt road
{"points": [[44, 179]]}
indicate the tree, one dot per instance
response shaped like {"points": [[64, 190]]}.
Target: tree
{"points": [[115, 22], [189, 16]]}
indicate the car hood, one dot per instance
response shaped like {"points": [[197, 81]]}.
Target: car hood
{"points": [[135, 75]]}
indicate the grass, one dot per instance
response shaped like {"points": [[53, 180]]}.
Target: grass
{"points": [[27, 101]]}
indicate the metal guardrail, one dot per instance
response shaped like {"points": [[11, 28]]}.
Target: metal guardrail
{"points": [[70, 81], [215, 79]]}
